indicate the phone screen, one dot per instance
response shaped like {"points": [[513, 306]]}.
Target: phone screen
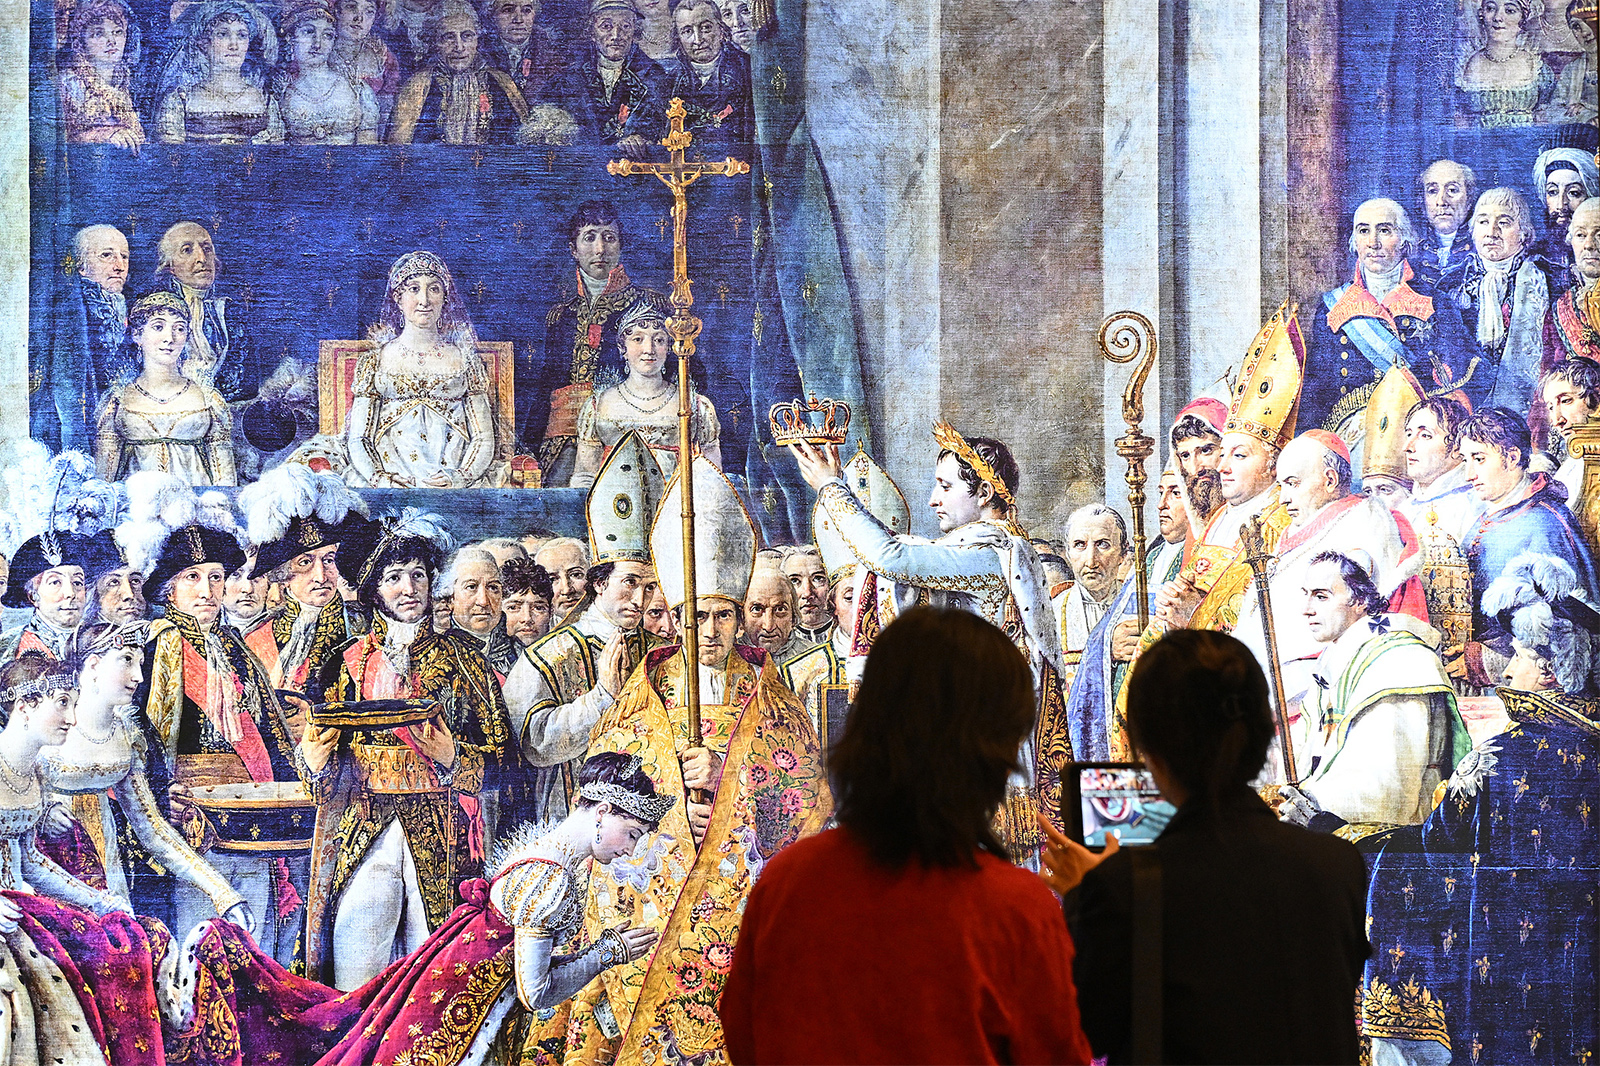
{"points": [[1123, 801]]}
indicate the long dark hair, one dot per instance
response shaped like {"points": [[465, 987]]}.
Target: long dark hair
{"points": [[1198, 701], [945, 700]]}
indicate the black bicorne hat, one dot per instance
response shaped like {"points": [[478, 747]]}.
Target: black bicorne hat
{"points": [[304, 535], [191, 546], [50, 550], [388, 540]]}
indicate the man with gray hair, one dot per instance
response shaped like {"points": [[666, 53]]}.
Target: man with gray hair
{"points": [[566, 559], [1384, 316], [459, 98], [1503, 292], [72, 387], [1100, 555], [476, 595], [770, 607], [713, 81], [615, 93], [1448, 191], [218, 354]]}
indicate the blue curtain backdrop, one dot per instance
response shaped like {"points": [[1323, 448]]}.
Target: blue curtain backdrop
{"points": [[306, 237]]}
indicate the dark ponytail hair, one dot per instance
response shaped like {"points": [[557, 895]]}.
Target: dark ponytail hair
{"points": [[1198, 701]]}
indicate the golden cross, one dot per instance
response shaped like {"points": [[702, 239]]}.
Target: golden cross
{"points": [[678, 174]]}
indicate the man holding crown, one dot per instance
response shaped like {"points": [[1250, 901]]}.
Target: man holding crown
{"points": [[563, 683], [812, 671], [399, 777], [296, 519], [752, 785], [984, 564]]}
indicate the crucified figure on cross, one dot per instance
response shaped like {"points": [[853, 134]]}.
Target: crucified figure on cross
{"points": [[678, 174]]}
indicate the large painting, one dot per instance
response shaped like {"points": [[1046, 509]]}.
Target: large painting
{"points": [[361, 352]]}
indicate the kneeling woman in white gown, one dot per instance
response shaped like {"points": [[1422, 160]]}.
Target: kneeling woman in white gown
{"points": [[420, 415]]}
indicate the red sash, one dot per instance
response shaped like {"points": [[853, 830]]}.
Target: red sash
{"points": [[471, 806], [250, 748], [30, 642], [261, 641]]}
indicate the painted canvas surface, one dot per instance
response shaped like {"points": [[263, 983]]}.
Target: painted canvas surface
{"points": [[346, 432]]}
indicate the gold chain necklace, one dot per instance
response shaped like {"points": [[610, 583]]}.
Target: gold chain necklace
{"points": [[638, 404], [147, 394]]}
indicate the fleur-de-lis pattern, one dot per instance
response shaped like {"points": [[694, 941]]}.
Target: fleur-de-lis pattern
{"points": [[1491, 906]]}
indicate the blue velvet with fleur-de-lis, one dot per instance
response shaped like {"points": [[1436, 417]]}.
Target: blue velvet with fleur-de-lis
{"points": [[1483, 921]]}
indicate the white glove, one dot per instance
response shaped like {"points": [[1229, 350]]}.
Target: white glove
{"points": [[1297, 808]]}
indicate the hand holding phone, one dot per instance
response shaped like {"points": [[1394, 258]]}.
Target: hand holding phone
{"points": [[1065, 861], [1119, 800]]}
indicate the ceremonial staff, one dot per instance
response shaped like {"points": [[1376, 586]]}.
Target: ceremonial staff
{"points": [[678, 174], [1260, 560], [1124, 337]]}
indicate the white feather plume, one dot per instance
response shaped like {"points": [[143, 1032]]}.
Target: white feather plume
{"points": [[214, 511], [157, 497], [1530, 589], [11, 535], [57, 492], [160, 503], [292, 491], [27, 480], [1532, 577], [415, 522]]}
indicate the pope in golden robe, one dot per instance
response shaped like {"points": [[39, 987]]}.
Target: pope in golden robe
{"points": [[752, 784]]}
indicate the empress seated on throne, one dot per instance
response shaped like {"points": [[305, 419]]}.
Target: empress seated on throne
{"points": [[422, 403]]}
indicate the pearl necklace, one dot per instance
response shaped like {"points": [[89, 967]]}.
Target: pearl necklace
{"points": [[638, 403], [10, 774]]}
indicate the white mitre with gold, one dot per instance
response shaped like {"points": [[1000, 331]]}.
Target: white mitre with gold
{"points": [[724, 537], [623, 502], [883, 500]]}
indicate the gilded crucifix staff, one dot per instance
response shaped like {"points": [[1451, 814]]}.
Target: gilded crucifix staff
{"points": [[678, 174]]}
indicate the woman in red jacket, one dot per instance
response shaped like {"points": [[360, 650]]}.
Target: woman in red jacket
{"points": [[906, 934]]}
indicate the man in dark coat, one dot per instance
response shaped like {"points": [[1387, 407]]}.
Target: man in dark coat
{"points": [[616, 94], [580, 332], [459, 99], [1385, 316], [713, 82], [218, 352]]}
